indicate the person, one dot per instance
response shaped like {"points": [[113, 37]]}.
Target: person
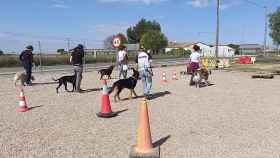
{"points": [[194, 62], [26, 58], [122, 54], [143, 62], [76, 59]]}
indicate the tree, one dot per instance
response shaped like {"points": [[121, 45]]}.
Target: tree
{"points": [[235, 47], [274, 24], [135, 33], [1, 52], [107, 43], [61, 51], [154, 40]]}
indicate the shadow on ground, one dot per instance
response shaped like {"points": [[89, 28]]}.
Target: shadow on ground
{"points": [[152, 96], [43, 83]]}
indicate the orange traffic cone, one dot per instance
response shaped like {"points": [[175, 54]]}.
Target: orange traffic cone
{"points": [[164, 77], [106, 111], [174, 76], [22, 103], [144, 147]]}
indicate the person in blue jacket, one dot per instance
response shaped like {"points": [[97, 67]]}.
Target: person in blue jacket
{"points": [[26, 58]]}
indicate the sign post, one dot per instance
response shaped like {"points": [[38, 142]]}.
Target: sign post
{"points": [[116, 43]]}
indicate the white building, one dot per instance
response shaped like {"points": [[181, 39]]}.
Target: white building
{"points": [[224, 51], [206, 50]]}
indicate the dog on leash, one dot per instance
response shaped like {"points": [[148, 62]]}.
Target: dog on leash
{"points": [[200, 78], [107, 72], [129, 83], [63, 80], [22, 77]]}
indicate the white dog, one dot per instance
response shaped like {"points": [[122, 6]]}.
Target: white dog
{"points": [[22, 77]]}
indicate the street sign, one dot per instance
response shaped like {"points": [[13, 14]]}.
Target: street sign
{"points": [[116, 42]]}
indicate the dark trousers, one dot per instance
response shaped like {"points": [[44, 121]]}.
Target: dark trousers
{"points": [[28, 70]]}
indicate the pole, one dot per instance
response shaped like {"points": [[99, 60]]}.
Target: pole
{"points": [[84, 43], [217, 32], [40, 55], [68, 45], [265, 30]]}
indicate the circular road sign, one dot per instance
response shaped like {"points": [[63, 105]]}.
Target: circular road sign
{"points": [[116, 42]]}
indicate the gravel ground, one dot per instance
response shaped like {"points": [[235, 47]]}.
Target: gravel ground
{"points": [[238, 117]]}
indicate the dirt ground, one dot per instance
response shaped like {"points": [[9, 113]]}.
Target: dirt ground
{"points": [[237, 117]]}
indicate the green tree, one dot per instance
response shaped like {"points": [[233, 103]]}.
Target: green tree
{"points": [[154, 40], [1, 52], [61, 51], [235, 47], [135, 33], [274, 24]]}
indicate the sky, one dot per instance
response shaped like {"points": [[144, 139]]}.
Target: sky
{"points": [[89, 22]]}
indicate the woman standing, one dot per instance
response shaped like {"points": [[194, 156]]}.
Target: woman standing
{"points": [[194, 61]]}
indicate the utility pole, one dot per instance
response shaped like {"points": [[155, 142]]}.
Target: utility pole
{"points": [[265, 30], [68, 45], [265, 22], [40, 54], [217, 32]]}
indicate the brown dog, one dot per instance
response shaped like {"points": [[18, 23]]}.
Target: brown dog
{"points": [[201, 76], [107, 72]]}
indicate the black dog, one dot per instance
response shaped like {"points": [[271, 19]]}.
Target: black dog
{"points": [[107, 72], [128, 83], [64, 80]]}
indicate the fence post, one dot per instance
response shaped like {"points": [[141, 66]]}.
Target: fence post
{"points": [[40, 55]]}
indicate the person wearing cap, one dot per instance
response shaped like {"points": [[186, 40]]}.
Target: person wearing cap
{"points": [[143, 61], [194, 61], [76, 59], [26, 58], [122, 62]]}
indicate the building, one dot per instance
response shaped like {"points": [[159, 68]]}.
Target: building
{"points": [[177, 45], [250, 49], [224, 51], [206, 50]]}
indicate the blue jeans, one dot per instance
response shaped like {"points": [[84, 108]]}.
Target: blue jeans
{"points": [[78, 70], [146, 78]]}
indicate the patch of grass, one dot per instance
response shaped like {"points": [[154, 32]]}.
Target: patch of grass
{"points": [[57, 59]]}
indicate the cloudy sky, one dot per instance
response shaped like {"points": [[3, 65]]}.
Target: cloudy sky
{"points": [[91, 21]]}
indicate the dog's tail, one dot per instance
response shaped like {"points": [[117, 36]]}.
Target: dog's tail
{"points": [[111, 89]]}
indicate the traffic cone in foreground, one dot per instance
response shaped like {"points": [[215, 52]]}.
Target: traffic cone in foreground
{"points": [[22, 103], [174, 76], [106, 111], [144, 147], [164, 77]]}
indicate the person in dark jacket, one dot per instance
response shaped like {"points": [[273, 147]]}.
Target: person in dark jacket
{"points": [[26, 58], [77, 61]]}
